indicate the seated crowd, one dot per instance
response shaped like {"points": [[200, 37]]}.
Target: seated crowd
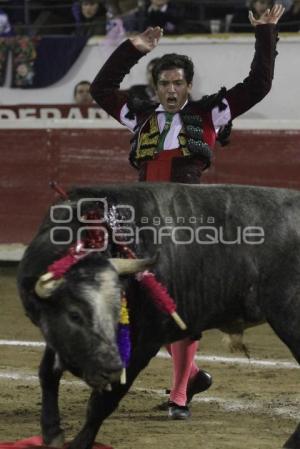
{"points": [[96, 17]]}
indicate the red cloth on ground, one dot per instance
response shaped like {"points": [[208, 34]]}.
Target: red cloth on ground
{"points": [[36, 442]]}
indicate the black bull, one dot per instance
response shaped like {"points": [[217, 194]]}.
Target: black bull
{"points": [[229, 256]]}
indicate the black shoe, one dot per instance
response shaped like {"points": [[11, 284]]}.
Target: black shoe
{"points": [[178, 411], [201, 382]]}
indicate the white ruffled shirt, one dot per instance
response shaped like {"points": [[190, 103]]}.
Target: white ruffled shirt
{"points": [[219, 118]]}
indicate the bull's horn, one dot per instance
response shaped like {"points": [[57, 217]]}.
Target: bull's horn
{"points": [[130, 266], [46, 285]]}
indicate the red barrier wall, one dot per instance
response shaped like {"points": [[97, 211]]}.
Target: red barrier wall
{"points": [[30, 159]]}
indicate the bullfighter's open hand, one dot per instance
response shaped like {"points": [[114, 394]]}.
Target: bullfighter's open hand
{"points": [[147, 40], [269, 16]]}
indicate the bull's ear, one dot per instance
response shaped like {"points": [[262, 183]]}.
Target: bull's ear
{"points": [[46, 285], [130, 266]]}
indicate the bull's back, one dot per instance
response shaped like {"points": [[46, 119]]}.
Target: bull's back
{"points": [[194, 206], [199, 230]]}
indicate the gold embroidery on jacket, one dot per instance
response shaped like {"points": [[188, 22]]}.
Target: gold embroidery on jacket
{"points": [[148, 140]]}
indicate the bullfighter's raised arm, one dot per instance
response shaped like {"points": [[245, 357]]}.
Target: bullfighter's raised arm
{"points": [[105, 88], [259, 81]]}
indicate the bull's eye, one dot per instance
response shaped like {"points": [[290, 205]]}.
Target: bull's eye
{"points": [[75, 317]]}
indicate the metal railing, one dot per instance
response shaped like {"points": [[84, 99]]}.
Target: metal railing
{"points": [[199, 13]]}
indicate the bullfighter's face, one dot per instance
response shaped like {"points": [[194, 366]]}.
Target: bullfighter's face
{"points": [[172, 89]]}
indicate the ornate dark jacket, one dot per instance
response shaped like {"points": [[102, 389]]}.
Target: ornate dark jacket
{"points": [[198, 133]]}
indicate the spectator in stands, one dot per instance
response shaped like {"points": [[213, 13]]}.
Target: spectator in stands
{"points": [[144, 92], [82, 94], [131, 12], [90, 17], [163, 13], [240, 20], [291, 20]]}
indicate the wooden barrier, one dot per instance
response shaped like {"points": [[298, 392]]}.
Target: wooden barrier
{"points": [[31, 158]]}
